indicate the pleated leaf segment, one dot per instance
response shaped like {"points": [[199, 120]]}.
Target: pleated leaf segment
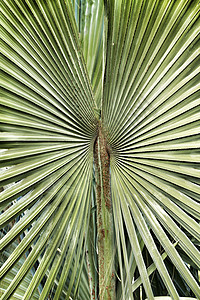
{"points": [[99, 152]]}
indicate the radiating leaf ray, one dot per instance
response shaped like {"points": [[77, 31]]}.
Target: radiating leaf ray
{"points": [[61, 54], [47, 108], [20, 290], [50, 211], [178, 262], [148, 101], [151, 118], [119, 225], [152, 248], [71, 234], [135, 245], [89, 18], [67, 66]]}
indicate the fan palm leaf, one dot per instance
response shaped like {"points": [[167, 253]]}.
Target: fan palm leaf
{"points": [[100, 96]]}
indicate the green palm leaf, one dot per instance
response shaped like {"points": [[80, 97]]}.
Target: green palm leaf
{"points": [[74, 74]]}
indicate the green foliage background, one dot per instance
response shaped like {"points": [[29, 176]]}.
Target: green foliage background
{"points": [[65, 65]]}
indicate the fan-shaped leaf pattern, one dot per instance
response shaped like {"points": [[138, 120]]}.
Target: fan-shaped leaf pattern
{"points": [[135, 66], [151, 117], [48, 128]]}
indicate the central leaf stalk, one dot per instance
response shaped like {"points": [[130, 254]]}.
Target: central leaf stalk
{"points": [[106, 251]]}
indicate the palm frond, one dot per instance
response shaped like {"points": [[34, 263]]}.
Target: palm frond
{"points": [[48, 126], [151, 117], [135, 66]]}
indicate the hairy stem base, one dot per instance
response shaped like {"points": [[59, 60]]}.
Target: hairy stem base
{"points": [[104, 219]]}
